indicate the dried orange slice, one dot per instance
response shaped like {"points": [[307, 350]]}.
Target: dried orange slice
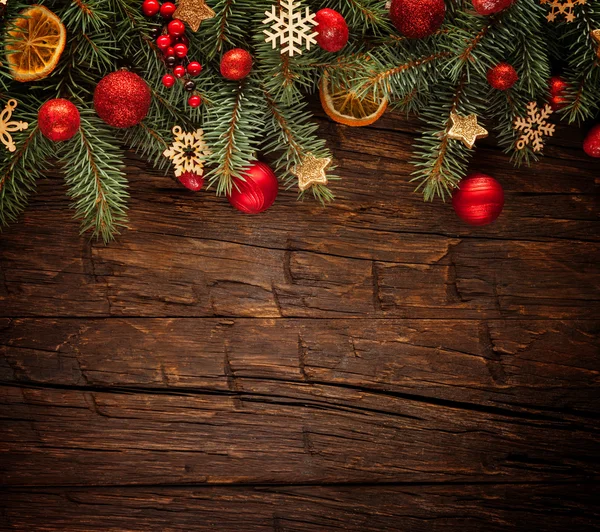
{"points": [[35, 43], [347, 108]]}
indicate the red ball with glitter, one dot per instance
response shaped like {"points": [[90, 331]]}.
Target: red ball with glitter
{"points": [[332, 30], [417, 19], [236, 64], [479, 200], [491, 7], [59, 120], [192, 181], [503, 76], [122, 99], [256, 192], [558, 87], [591, 144]]}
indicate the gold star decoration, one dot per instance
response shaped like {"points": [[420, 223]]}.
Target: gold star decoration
{"points": [[596, 37], [466, 129], [311, 171], [7, 126], [564, 8], [193, 12]]}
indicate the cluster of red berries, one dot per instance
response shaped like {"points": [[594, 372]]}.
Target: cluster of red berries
{"points": [[172, 42]]}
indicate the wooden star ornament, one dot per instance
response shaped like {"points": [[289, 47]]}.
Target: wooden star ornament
{"points": [[466, 129], [311, 171], [193, 12]]}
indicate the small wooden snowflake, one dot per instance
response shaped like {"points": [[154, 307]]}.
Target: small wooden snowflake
{"points": [[291, 27], [562, 7], [7, 126], [534, 127], [188, 152]]}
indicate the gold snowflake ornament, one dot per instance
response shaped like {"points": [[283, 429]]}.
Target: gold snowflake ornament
{"points": [[466, 129], [534, 127], [562, 7], [311, 171], [7, 126], [188, 152]]}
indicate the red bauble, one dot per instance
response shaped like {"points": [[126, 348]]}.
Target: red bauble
{"points": [[558, 87], [122, 99], [257, 192], [479, 200], [150, 7], [332, 30], [167, 9], [502, 76], [192, 181], [236, 64], [591, 144], [490, 7], [58, 119], [417, 19]]}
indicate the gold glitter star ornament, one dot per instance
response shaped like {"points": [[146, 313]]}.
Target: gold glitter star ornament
{"points": [[311, 171], [466, 129], [8, 126], [188, 152], [193, 12]]}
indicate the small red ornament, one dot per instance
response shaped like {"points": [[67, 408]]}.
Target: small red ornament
{"points": [[591, 144], [181, 50], [502, 76], [194, 68], [179, 71], [417, 19], [257, 192], [122, 99], [236, 64], [192, 181], [167, 9], [168, 80], [558, 87], [194, 101], [150, 7], [332, 30], [58, 119], [479, 200], [176, 28], [163, 42], [491, 7]]}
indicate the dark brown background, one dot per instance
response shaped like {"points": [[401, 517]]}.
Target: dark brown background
{"points": [[375, 365]]}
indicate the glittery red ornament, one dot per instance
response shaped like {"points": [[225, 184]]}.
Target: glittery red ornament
{"points": [[58, 119], [257, 192], [490, 7], [479, 200], [591, 144], [122, 99], [558, 87], [502, 76], [417, 19], [192, 181], [236, 64], [332, 30]]}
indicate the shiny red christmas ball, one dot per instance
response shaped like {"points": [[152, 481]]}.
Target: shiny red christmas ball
{"points": [[417, 19], [179, 71], [168, 80], [167, 9], [192, 181], [194, 101], [479, 200], [236, 64], [176, 28], [194, 68], [181, 50], [490, 7], [332, 30], [58, 119], [502, 76], [558, 87], [591, 144], [257, 192], [122, 99], [150, 7]]}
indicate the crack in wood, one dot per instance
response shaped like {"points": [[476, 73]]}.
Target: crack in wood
{"points": [[493, 359], [302, 358], [377, 303]]}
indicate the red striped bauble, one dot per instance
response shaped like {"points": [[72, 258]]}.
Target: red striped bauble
{"points": [[479, 200]]}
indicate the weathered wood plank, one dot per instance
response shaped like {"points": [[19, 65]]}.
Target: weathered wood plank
{"points": [[305, 509]]}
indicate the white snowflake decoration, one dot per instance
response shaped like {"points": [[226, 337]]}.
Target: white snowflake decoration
{"points": [[534, 127], [290, 27], [562, 7], [8, 126], [188, 152]]}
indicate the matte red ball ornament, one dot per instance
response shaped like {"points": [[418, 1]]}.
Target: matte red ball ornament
{"points": [[150, 7], [491, 7], [194, 68], [257, 192], [558, 87], [122, 99], [591, 144], [192, 181], [479, 200], [167, 9], [236, 64], [332, 29], [503, 76], [176, 28], [58, 119], [417, 19]]}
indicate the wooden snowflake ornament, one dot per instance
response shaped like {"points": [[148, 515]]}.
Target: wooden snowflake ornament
{"points": [[8, 126], [534, 127], [565, 8], [290, 27], [188, 152]]}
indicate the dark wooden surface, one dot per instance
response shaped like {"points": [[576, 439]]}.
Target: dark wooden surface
{"points": [[372, 366]]}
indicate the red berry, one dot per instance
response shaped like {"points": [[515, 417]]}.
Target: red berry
{"points": [[184, 40], [558, 88], [150, 7], [167, 9], [194, 68], [179, 71], [194, 101], [191, 181], [169, 52], [236, 64], [502, 76], [490, 7], [168, 80], [181, 49], [332, 30], [163, 42], [176, 28]]}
